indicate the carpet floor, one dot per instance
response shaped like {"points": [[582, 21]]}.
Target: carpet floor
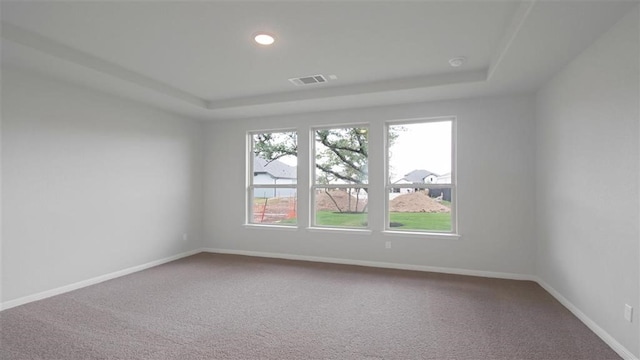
{"points": [[210, 306]]}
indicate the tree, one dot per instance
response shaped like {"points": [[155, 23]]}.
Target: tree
{"points": [[342, 157], [273, 146], [341, 153]]}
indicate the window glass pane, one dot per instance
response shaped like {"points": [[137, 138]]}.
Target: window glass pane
{"points": [[427, 209], [420, 153], [341, 207], [275, 158], [341, 155], [274, 206]]}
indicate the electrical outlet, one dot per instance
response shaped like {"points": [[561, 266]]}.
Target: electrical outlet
{"points": [[387, 245], [185, 237], [628, 312]]}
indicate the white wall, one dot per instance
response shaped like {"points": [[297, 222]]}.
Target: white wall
{"points": [[1, 197], [495, 188], [588, 229], [92, 184]]}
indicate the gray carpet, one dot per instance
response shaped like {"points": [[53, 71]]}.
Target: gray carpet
{"points": [[232, 307]]}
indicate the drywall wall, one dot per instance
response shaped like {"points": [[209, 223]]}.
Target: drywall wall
{"points": [[1, 247], [495, 189], [92, 184], [588, 181]]}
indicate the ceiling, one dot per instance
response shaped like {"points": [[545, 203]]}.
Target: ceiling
{"points": [[198, 58]]}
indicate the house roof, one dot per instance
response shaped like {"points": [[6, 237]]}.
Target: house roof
{"points": [[276, 168], [417, 176]]}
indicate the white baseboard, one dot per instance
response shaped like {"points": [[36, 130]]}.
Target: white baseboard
{"points": [[63, 289], [377, 264], [608, 339]]}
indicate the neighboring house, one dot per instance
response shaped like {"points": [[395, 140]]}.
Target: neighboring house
{"points": [[444, 179], [422, 176], [273, 172], [416, 177]]}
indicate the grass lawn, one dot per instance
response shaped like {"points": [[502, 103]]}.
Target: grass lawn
{"points": [[421, 221], [409, 221], [330, 218]]}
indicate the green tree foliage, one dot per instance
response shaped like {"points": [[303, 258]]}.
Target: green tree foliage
{"points": [[341, 153], [273, 146]]}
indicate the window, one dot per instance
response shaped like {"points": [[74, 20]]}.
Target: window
{"points": [[420, 176], [340, 177], [272, 178]]}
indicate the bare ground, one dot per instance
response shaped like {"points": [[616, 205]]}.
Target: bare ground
{"points": [[417, 201], [274, 209], [278, 209], [345, 202]]}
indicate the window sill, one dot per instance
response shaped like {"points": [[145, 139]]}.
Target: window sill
{"points": [[431, 235], [340, 230], [271, 227]]}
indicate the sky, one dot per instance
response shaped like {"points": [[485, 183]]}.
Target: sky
{"points": [[421, 146]]}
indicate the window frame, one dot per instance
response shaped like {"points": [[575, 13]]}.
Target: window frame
{"points": [[314, 186], [452, 185], [250, 186]]}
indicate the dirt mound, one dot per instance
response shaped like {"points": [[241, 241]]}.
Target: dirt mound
{"points": [[341, 198], [417, 201]]}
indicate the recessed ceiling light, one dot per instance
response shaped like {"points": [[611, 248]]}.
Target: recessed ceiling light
{"points": [[264, 39], [457, 61]]}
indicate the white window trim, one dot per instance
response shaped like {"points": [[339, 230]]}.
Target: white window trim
{"points": [[314, 186], [453, 185], [250, 186]]}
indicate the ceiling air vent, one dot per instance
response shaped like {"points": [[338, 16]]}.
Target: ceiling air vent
{"points": [[308, 80]]}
